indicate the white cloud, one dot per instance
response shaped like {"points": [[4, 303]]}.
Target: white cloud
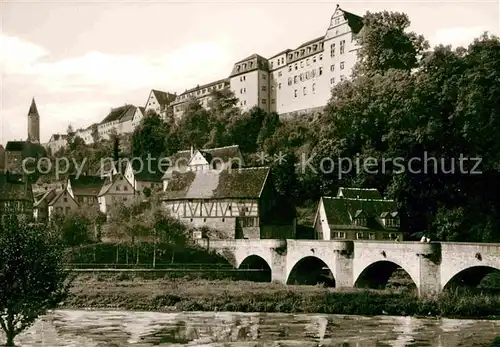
{"points": [[457, 36], [17, 55], [115, 74]]}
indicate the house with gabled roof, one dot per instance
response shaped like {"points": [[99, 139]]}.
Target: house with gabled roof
{"points": [[116, 190], [142, 177], [41, 205], [56, 142], [366, 216], [85, 189], [239, 203], [63, 204], [219, 158], [159, 101], [16, 197]]}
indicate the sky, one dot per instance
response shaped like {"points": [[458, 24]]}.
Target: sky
{"points": [[79, 59]]}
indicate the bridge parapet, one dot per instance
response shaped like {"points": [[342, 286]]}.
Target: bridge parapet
{"points": [[236, 243]]}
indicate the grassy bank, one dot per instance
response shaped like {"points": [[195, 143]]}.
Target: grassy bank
{"points": [[119, 292]]}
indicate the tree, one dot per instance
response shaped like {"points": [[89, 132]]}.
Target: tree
{"points": [[385, 44], [32, 275], [194, 127], [150, 137]]}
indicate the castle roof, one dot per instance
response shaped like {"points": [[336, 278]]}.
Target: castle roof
{"points": [[211, 184], [33, 110], [203, 86], [250, 63], [119, 113], [163, 98]]}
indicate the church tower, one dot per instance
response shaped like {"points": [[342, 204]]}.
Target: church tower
{"points": [[33, 123]]}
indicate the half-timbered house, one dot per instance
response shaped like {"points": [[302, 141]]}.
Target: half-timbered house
{"points": [[238, 203], [16, 197]]}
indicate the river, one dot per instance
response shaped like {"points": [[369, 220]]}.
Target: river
{"points": [[123, 328]]}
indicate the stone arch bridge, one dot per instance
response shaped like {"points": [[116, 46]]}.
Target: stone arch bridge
{"points": [[432, 266]]}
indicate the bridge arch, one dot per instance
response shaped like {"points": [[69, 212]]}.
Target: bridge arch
{"points": [[311, 270], [260, 265], [377, 274], [469, 276]]}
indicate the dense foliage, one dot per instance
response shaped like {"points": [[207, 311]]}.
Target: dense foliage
{"points": [[404, 105], [32, 276]]}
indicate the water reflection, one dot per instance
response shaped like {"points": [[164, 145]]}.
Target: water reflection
{"points": [[121, 328]]}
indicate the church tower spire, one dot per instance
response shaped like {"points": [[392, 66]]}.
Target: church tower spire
{"points": [[33, 123]]}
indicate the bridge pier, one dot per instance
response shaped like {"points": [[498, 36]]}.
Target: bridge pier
{"points": [[430, 270]]}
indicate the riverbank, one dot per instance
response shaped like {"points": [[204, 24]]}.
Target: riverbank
{"points": [[166, 295]]}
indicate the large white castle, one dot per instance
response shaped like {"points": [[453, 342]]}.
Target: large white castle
{"points": [[291, 82]]}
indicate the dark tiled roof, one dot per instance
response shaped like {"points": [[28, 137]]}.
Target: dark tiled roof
{"points": [[86, 185], [163, 98], [359, 193], [280, 53], [339, 211], [143, 173], [58, 194], [311, 42], [129, 115], [13, 187], [29, 149], [253, 62], [15, 146], [225, 80], [212, 184], [355, 22], [117, 113]]}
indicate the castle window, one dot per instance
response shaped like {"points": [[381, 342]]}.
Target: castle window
{"points": [[371, 236], [342, 66], [342, 47], [272, 65], [342, 78], [320, 71], [296, 66], [307, 75], [273, 101], [307, 62], [238, 68], [264, 101], [314, 87], [295, 93], [117, 188], [359, 236], [290, 81], [332, 67], [339, 235], [296, 54], [302, 63], [264, 76], [321, 57], [289, 68], [301, 76], [314, 59], [223, 219], [332, 50], [264, 88], [308, 50], [304, 91], [302, 52], [315, 47], [332, 80], [337, 21], [295, 79]]}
